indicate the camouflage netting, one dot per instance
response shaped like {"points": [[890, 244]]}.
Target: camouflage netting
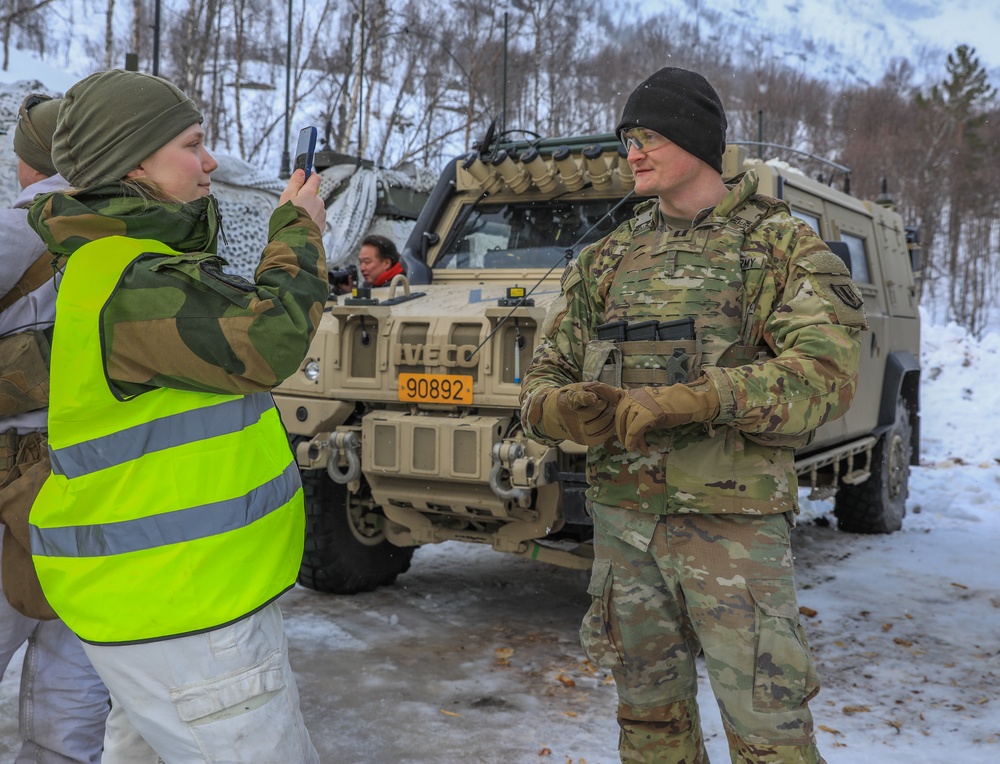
{"points": [[11, 95], [247, 195]]}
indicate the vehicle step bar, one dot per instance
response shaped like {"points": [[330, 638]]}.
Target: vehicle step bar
{"points": [[810, 465]]}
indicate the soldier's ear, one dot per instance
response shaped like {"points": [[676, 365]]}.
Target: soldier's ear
{"points": [[138, 172]]}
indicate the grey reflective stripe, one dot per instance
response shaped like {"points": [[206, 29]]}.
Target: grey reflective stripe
{"points": [[160, 434], [170, 527]]}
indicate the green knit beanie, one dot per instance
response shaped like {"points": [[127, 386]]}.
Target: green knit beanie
{"points": [[111, 121], [36, 121]]}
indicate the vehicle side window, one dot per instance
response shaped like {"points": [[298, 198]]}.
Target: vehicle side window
{"points": [[809, 218], [859, 257]]}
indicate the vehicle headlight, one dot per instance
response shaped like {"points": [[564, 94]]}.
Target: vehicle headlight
{"points": [[311, 370]]}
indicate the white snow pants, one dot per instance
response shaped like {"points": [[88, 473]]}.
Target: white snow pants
{"points": [[225, 696], [63, 703]]}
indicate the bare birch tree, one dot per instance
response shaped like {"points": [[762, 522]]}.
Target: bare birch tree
{"points": [[23, 15]]}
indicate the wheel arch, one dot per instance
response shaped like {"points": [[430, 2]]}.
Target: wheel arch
{"points": [[902, 382]]}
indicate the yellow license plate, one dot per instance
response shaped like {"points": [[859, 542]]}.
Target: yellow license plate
{"points": [[435, 388]]}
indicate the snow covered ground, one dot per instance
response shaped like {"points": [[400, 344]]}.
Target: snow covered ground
{"points": [[473, 655], [906, 631]]}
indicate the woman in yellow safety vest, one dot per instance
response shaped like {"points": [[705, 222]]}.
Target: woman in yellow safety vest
{"points": [[173, 516]]}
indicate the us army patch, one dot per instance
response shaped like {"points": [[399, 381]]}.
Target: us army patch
{"points": [[752, 262], [848, 304], [848, 294]]}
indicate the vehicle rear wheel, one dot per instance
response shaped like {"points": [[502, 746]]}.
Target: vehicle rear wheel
{"points": [[879, 504], [346, 550]]}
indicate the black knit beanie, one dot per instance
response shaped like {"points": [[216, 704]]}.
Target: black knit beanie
{"points": [[111, 121], [682, 106]]}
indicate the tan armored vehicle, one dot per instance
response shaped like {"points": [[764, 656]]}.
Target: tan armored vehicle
{"points": [[404, 415]]}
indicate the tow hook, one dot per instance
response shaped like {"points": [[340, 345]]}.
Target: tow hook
{"points": [[348, 443], [505, 453]]}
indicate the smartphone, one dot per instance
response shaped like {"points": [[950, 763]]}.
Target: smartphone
{"points": [[305, 150]]}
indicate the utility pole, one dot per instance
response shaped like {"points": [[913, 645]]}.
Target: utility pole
{"points": [[361, 80], [156, 38], [760, 133], [286, 159], [503, 114]]}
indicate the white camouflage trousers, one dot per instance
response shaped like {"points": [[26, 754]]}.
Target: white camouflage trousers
{"points": [[63, 703], [225, 696]]}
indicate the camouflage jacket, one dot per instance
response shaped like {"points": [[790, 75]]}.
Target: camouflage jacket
{"points": [[181, 322], [750, 275]]}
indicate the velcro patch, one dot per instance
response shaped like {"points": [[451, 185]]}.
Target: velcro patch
{"points": [[571, 275], [555, 313], [824, 261], [845, 298], [848, 294]]}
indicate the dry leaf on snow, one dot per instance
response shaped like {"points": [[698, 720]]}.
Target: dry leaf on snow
{"points": [[856, 709]]}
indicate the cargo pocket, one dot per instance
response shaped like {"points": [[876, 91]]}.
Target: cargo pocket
{"points": [[24, 373], [232, 695], [599, 634], [249, 715], [784, 675]]}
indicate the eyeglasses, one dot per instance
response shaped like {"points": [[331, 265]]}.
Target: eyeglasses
{"points": [[642, 139], [29, 103]]}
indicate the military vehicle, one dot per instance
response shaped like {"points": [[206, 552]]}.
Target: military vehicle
{"points": [[404, 416]]}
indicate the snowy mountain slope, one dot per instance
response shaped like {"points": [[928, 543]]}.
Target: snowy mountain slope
{"points": [[849, 40]]}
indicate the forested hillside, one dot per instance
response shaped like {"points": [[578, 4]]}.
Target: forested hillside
{"points": [[417, 81]]}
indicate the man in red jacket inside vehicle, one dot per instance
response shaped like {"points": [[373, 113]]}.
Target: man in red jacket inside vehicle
{"points": [[378, 261]]}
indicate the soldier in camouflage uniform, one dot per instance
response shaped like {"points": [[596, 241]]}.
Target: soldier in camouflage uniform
{"points": [[690, 467], [172, 518]]}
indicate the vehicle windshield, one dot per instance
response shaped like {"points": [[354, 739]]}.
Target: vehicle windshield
{"points": [[528, 234]]}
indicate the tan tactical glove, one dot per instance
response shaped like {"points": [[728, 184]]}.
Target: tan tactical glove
{"points": [[583, 412], [648, 408]]}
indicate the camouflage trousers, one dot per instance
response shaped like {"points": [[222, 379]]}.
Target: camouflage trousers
{"points": [[718, 584]]}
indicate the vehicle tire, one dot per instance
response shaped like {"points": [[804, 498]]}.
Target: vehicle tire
{"points": [[879, 504], [346, 550]]}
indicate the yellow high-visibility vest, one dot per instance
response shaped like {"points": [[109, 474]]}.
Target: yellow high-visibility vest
{"points": [[167, 513]]}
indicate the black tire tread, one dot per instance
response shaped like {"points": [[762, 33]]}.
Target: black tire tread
{"points": [[333, 561], [867, 507]]}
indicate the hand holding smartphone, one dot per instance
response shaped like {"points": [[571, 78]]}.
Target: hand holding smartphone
{"points": [[305, 150], [304, 194]]}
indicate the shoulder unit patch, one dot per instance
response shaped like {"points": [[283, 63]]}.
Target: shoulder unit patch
{"points": [[848, 294]]}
